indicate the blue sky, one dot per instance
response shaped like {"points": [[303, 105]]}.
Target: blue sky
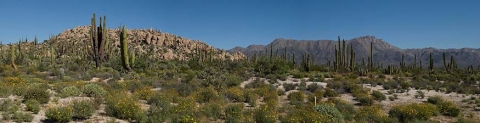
{"points": [[229, 23]]}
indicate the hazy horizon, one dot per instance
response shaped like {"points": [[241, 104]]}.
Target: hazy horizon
{"points": [[226, 24]]}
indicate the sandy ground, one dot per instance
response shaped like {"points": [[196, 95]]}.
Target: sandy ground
{"points": [[402, 98]]}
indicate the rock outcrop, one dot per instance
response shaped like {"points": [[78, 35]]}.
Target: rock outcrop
{"points": [[156, 44]]}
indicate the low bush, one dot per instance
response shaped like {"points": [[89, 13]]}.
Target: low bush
{"points": [[313, 87], [250, 97], [330, 112], [303, 116], [263, 114], [296, 98], [371, 114], [94, 90], [347, 109], [124, 107], [289, 86], [379, 96], [160, 110], [420, 94], [445, 107], [70, 91], [83, 109], [59, 114], [414, 111], [22, 117], [365, 100], [33, 106], [233, 113], [212, 110], [331, 93], [235, 94], [144, 93], [39, 94], [391, 98], [206, 95]]}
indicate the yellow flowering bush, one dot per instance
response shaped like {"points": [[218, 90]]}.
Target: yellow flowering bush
{"points": [[235, 94], [414, 111], [303, 116], [13, 81], [205, 95], [123, 106], [59, 114], [234, 113], [263, 114], [83, 109], [370, 114], [33, 105], [144, 93]]}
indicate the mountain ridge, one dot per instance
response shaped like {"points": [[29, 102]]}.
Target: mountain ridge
{"points": [[384, 52]]}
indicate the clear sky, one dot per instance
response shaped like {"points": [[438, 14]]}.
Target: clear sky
{"points": [[229, 23]]}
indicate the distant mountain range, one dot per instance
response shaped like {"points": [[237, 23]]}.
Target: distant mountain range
{"points": [[384, 53]]}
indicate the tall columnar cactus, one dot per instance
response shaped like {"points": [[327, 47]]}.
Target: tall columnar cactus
{"points": [[335, 64], [371, 56], [339, 60], [431, 63], [35, 41], [12, 56], [453, 64], [402, 63], [415, 62], [445, 62], [52, 55], [99, 41], [344, 56], [124, 49]]}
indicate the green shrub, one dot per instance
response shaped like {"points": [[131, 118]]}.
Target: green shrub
{"points": [[33, 106], [347, 109], [206, 95], [22, 117], [289, 86], [302, 86], [446, 107], [263, 114], [414, 111], [391, 98], [94, 90], [330, 113], [212, 110], [250, 97], [233, 81], [296, 98], [235, 94], [124, 107], [160, 110], [256, 84], [379, 96], [365, 100], [371, 114], [331, 93], [313, 87], [435, 100], [70, 91], [59, 114], [303, 116], [420, 94], [38, 94], [83, 109], [233, 113]]}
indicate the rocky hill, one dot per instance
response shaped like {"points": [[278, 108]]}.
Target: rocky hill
{"points": [[384, 53], [156, 44]]}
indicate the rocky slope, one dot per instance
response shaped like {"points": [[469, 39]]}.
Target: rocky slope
{"points": [[156, 44], [384, 53]]}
